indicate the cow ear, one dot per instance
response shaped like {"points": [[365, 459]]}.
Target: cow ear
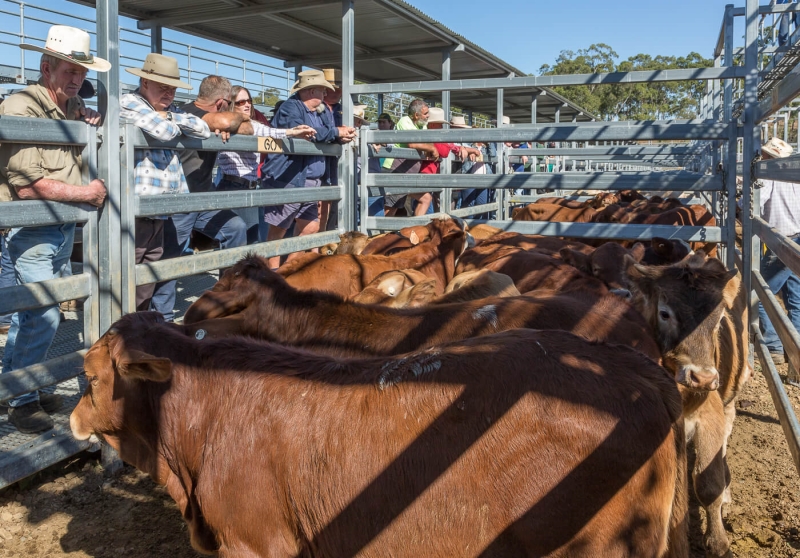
{"points": [[213, 304], [731, 289], [576, 259], [637, 251], [138, 365]]}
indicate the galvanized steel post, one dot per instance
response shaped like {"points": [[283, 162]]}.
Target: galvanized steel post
{"points": [[108, 167], [750, 198], [347, 217]]}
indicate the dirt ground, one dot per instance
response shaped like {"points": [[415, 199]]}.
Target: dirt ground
{"points": [[72, 510]]}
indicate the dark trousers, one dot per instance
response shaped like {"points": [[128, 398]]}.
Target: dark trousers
{"points": [[224, 226], [149, 248]]}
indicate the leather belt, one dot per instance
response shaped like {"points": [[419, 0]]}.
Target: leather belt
{"points": [[249, 184]]}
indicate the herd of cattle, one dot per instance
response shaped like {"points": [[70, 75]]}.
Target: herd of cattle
{"points": [[440, 392]]}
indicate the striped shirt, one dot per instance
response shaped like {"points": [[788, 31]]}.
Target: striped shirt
{"points": [[245, 163], [159, 171], [780, 206]]}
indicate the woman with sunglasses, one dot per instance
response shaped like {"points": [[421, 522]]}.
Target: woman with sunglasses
{"points": [[239, 169]]}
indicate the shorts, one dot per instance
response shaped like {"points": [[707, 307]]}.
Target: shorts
{"points": [[282, 216]]}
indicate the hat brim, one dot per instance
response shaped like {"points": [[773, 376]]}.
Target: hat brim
{"points": [[325, 84], [97, 64], [463, 126], [138, 72], [775, 153]]}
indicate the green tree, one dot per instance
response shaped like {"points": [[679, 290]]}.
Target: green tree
{"points": [[267, 98], [630, 101]]}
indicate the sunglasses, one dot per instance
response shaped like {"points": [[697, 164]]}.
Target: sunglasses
{"points": [[243, 102]]}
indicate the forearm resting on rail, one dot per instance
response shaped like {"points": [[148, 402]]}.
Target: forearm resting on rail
{"points": [[53, 190]]}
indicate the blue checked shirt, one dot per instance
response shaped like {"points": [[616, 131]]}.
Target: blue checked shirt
{"points": [[159, 171]]}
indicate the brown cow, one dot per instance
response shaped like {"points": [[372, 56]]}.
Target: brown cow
{"points": [[698, 314], [482, 231], [399, 289], [574, 204], [665, 251], [546, 244], [553, 213], [259, 303], [347, 275], [607, 263], [478, 284], [530, 270], [525, 443]]}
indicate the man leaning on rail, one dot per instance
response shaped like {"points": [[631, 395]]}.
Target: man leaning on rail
{"points": [[157, 170], [45, 172], [780, 207]]}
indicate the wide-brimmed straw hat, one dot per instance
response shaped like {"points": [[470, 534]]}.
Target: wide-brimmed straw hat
{"points": [[70, 44], [333, 76], [459, 122], [310, 78], [358, 112], [436, 116], [776, 147], [161, 69]]}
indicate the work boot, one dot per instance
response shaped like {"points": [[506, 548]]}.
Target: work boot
{"points": [[50, 402], [777, 357], [30, 418]]}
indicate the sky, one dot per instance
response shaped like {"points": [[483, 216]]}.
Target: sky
{"points": [[530, 33]]}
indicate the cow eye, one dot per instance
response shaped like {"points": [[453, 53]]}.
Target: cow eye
{"points": [[663, 314]]}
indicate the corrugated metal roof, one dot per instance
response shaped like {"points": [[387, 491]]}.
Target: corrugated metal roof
{"points": [[394, 42]]}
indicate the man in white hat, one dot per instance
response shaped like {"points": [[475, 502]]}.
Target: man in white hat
{"points": [[300, 171], [45, 172], [780, 207], [157, 171]]}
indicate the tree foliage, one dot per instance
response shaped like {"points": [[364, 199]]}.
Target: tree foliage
{"points": [[629, 101]]}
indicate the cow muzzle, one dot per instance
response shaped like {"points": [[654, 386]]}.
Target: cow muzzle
{"points": [[699, 378]]}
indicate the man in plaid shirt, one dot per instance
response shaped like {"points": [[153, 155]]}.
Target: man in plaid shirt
{"points": [[157, 171]]}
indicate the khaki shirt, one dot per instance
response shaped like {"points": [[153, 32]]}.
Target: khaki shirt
{"points": [[23, 163]]}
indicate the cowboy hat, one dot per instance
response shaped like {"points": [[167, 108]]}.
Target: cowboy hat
{"points": [[436, 116], [358, 113], [776, 147], [459, 122], [333, 76], [161, 69], [310, 78], [506, 121], [70, 44]]}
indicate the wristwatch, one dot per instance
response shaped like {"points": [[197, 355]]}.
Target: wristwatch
{"points": [[169, 116]]}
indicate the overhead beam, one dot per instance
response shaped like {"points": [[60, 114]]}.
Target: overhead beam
{"points": [[169, 18], [528, 82], [328, 58]]}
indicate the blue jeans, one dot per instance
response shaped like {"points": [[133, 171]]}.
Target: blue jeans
{"points": [[224, 225], [38, 254], [7, 277], [780, 280]]}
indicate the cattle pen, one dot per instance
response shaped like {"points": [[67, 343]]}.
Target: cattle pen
{"points": [[700, 158]]}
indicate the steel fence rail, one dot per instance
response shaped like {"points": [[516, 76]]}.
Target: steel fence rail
{"points": [[786, 414], [165, 270], [528, 82], [567, 181], [151, 206], [590, 131]]}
